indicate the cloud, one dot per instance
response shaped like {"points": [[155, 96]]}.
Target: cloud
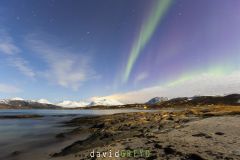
{"points": [[202, 84], [64, 67], [7, 45], [8, 48], [141, 77], [11, 51], [22, 66], [6, 88]]}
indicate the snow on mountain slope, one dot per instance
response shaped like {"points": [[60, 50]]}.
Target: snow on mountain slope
{"points": [[72, 104], [156, 100], [43, 101], [104, 102], [6, 101], [19, 103], [16, 99], [66, 104], [93, 102]]}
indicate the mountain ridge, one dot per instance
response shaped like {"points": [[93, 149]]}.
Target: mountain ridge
{"points": [[19, 103], [103, 103]]}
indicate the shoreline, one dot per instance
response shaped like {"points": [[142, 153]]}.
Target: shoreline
{"points": [[23, 116], [129, 131], [193, 133]]}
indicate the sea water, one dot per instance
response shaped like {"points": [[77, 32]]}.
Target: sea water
{"points": [[18, 133]]}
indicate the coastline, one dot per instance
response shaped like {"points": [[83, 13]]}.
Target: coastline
{"points": [[161, 134], [192, 133]]}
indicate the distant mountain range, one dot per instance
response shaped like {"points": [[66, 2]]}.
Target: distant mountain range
{"points": [[19, 103], [72, 104], [97, 103], [105, 102], [43, 103], [232, 99]]}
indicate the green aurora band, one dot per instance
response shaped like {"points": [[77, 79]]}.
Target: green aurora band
{"points": [[155, 17], [216, 71]]}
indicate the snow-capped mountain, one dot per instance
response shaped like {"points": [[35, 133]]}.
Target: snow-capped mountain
{"points": [[157, 100], [45, 101], [104, 102], [17, 99], [6, 101], [72, 104], [93, 102], [19, 103]]}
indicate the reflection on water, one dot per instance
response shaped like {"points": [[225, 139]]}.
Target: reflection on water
{"points": [[15, 133]]}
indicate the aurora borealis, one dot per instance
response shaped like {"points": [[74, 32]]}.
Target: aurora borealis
{"points": [[147, 29], [130, 50]]}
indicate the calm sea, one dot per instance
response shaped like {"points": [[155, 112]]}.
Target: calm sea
{"points": [[19, 133]]}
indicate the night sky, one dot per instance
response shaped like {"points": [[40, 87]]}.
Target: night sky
{"points": [[129, 50]]}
